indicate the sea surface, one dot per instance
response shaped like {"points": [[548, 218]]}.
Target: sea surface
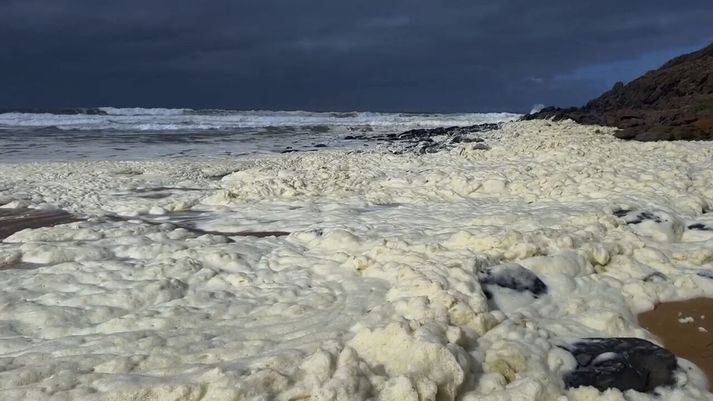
{"points": [[139, 134]]}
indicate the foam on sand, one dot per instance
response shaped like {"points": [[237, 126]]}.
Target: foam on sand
{"points": [[376, 292]]}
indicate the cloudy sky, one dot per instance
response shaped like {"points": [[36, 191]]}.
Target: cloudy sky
{"points": [[382, 55]]}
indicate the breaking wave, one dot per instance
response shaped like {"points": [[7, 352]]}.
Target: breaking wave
{"points": [[160, 119]]}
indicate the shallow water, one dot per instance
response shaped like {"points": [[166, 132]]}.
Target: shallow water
{"points": [[142, 134]]}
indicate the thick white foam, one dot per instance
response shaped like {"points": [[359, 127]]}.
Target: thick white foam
{"points": [[374, 294]]}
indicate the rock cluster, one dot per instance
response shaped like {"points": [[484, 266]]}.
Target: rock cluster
{"points": [[429, 140], [621, 363]]}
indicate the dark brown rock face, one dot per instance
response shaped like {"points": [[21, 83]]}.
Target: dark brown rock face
{"points": [[673, 102]]}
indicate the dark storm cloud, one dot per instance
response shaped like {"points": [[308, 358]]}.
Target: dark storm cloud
{"points": [[330, 54]]}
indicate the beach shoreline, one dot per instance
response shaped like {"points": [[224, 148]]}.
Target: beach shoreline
{"points": [[382, 283]]}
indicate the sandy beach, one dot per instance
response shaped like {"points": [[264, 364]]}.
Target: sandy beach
{"points": [[686, 329]]}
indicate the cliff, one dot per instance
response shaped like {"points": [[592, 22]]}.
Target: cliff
{"points": [[670, 103]]}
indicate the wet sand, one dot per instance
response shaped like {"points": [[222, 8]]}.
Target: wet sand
{"points": [[16, 219], [686, 328], [188, 219]]}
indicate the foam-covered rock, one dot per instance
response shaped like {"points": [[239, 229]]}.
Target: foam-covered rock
{"points": [[620, 363], [511, 276]]}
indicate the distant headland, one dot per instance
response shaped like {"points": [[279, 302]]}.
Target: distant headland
{"points": [[674, 102]]}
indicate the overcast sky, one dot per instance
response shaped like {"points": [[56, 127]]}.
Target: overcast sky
{"points": [[381, 55]]}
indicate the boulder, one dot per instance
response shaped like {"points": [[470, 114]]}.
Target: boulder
{"points": [[511, 276], [622, 363]]}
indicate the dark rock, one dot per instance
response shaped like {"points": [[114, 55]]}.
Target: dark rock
{"points": [[655, 277], [706, 274], [514, 277], [429, 140], [701, 227], [621, 212], [644, 216], [461, 139], [621, 363], [674, 102], [633, 217]]}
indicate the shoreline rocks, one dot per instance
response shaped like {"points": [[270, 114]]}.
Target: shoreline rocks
{"points": [[431, 140], [621, 363]]}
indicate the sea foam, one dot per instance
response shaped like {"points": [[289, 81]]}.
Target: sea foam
{"points": [[375, 293]]}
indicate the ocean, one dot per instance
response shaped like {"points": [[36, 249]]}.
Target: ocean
{"points": [[140, 134]]}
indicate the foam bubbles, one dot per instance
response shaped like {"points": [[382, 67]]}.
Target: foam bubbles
{"points": [[373, 288]]}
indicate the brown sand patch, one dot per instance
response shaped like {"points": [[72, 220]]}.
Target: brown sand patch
{"points": [[686, 328], [187, 219], [258, 234], [14, 220]]}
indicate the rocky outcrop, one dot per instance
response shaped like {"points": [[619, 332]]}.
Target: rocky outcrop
{"points": [[670, 103], [621, 363], [429, 140]]}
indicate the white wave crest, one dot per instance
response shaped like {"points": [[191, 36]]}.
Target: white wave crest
{"points": [[129, 119]]}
